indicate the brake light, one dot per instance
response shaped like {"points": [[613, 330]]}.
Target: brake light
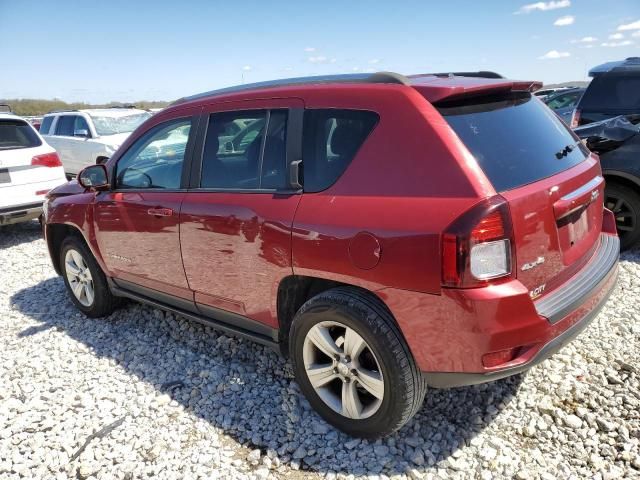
{"points": [[47, 160], [575, 118], [477, 248]]}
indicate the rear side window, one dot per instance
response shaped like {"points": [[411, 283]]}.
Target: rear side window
{"points": [[237, 153], [515, 138], [612, 92], [17, 134], [331, 138], [46, 125], [65, 125]]}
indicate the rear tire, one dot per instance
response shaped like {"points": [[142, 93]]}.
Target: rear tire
{"points": [[384, 388], [624, 202], [84, 279]]}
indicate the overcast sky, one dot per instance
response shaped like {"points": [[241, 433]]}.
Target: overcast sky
{"points": [[161, 50]]}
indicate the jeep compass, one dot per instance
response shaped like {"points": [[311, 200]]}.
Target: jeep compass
{"points": [[387, 233]]}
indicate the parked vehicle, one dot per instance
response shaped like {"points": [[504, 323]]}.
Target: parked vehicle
{"points": [[617, 142], [543, 93], [614, 90], [389, 233], [29, 169], [564, 102], [86, 137]]}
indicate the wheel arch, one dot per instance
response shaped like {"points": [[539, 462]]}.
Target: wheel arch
{"points": [[624, 178], [295, 290], [55, 235]]}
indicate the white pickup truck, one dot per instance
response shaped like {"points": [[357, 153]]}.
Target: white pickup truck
{"points": [[86, 137]]}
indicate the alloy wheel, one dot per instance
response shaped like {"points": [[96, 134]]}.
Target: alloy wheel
{"points": [[343, 370], [79, 277]]}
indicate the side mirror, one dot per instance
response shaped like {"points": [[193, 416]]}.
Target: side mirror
{"points": [[228, 147], [83, 132], [94, 177]]}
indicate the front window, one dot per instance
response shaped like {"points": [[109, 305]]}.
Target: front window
{"points": [[155, 160], [111, 125]]}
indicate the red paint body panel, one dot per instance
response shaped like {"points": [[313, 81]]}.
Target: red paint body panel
{"points": [[237, 248], [140, 247], [379, 227]]}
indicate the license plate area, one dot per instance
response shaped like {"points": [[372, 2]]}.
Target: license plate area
{"points": [[577, 231], [4, 175]]}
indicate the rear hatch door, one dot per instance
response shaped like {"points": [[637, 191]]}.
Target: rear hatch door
{"points": [[552, 184]]}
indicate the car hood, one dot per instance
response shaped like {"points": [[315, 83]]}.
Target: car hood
{"points": [[114, 140], [69, 188]]}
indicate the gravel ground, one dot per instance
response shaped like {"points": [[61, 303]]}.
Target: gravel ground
{"points": [[158, 396]]}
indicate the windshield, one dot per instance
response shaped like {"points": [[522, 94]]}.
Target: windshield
{"points": [[122, 124], [515, 138], [613, 92]]}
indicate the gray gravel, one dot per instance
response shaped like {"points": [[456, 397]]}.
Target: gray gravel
{"points": [[166, 398]]}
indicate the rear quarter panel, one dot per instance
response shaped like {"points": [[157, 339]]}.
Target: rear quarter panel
{"points": [[409, 180]]}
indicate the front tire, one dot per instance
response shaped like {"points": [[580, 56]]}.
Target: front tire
{"points": [[84, 279], [624, 202], [353, 364]]}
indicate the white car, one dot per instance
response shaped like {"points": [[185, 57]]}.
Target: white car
{"points": [[29, 168], [87, 137]]}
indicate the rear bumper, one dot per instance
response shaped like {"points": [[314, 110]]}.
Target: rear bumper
{"points": [[567, 313], [20, 213]]}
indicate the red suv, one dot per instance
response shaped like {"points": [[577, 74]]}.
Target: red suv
{"points": [[388, 233]]}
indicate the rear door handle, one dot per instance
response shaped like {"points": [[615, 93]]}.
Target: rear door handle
{"points": [[160, 212]]}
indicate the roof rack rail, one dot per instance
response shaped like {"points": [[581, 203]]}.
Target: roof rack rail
{"points": [[377, 77], [5, 108], [61, 110], [479, 74]]}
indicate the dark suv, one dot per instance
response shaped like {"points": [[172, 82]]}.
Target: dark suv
{"points": [[388, 233], [615, 92]]}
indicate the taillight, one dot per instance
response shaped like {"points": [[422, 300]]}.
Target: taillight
{"points": [[477, 248], [575, 118], [47, 160]]}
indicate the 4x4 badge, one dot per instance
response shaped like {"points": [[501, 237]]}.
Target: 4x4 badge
{"points": [[535, 263]]}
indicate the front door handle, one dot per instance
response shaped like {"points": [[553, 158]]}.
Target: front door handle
{"points": [[160, 212]]}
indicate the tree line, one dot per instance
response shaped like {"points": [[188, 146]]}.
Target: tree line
{"points": [[36, 107]]}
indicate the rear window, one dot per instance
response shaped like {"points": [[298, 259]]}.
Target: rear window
{"points": [[515, 138], [612, 92], [17, 134], [330, 140]]}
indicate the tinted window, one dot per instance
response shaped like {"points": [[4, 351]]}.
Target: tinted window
{"points": [[17, 134], [331, 138], [46, 125], [612, 92], [515, 139], [65, 125], [563, 101], [237, 160], [155, 160]]}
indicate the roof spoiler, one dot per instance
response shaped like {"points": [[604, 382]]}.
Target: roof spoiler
{"points": [[5, 108], [479, 74]]}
